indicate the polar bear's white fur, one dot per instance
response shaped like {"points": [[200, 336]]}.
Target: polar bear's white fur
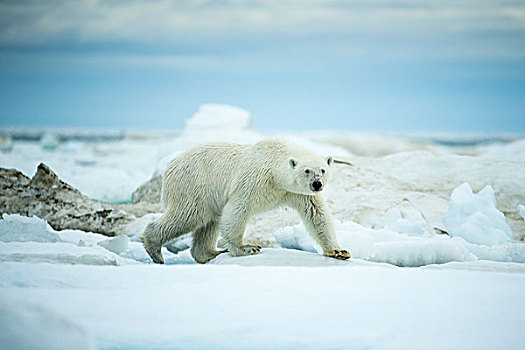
{"points": [[218, 186]]}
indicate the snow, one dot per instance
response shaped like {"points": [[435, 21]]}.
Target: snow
{"points": [[261, 307], [509, 252], [81, 238], [108, 171], [295, 237], [383, 245], [405, 218], [16, 228], [136, 228], [218, 122], [479, 265], [49, 141], [404, 287], [33, 326], [475, 217], [377, 245], [59, 253], [319, 148], [426, 179], [400, 249], [6, 142], [212, 123], [282, 257], [116, 245], [213, 116]]}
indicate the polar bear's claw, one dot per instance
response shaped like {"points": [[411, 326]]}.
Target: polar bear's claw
{"points": [[248, 249], [340, 254]]}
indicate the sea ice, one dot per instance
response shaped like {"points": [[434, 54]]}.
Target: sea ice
{"points": [[59, 253], [363, 192], [321, 302], [417, 251], [117, 245], [219, 122], [319, 148], [26, 325], [81, 238], [506, 252], [17, 228], [351, 304], [33, 240], [295, 237], [135, 228], [49, 141], [288, 257], [475, 218], [6, 142], [136, 252], [404, 218], [107, 171], [212, 116], [212, 123], [382, 245]]}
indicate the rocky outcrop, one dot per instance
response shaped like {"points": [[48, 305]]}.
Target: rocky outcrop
{"points": [[63, 206], [149, 191]]}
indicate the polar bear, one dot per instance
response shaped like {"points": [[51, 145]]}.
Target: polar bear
{"points": [[216, 187]]}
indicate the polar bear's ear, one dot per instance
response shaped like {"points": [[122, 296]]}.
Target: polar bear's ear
{"points": [[293, 162], [329, 160]]}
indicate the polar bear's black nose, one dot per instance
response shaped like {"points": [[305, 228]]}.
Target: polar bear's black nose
{"points": [[317, 185]]}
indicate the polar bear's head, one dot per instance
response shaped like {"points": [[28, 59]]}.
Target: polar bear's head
{"points": [[308, 175]]}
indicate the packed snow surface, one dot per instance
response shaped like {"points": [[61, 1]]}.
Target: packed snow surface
{"points": [[26, 325], [356, 306], [435, 232]]}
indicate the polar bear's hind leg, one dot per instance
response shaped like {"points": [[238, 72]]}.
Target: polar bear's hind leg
{"points": [[151, 245], [159, 232]]}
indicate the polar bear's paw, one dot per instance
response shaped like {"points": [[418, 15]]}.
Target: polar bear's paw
{"points": [[204, 258], [338, 254], [248, 249], [153, 250]]}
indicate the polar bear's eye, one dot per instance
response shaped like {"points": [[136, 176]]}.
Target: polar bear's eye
{"points": [[323, 171], [307, 171]]}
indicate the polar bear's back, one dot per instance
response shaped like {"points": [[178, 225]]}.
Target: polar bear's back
{"points": [[202, 176]]}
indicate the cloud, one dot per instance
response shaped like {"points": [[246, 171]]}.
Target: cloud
{"points": [[286, 29], [37, 22]]}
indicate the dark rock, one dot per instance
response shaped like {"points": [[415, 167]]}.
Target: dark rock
{"points": [[148, 191], [63, 206]]}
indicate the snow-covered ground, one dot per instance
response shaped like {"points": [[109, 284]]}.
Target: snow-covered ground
{"points": [[355, 306], [407, 286]]}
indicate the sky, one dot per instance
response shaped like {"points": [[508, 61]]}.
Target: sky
{"points": [[294, 64]]}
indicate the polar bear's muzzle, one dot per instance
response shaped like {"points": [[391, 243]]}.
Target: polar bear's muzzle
{"points": [[316, 185]]}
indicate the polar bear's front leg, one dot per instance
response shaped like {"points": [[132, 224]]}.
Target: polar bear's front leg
{"points": [[318, 222], [232, 226]]}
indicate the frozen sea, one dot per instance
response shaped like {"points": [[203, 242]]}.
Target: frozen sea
{"points": [[409, 285]]}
